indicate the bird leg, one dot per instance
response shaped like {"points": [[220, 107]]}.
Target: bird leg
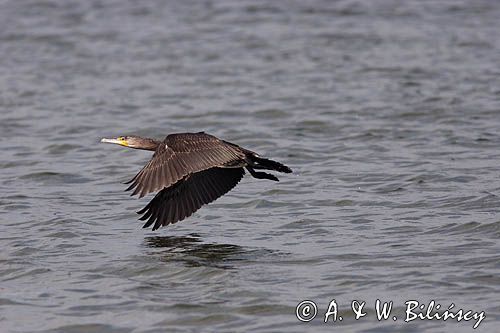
{"points": [[261, 175]]}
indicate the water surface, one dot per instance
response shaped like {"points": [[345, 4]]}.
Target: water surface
{"points": [[387, 111]]}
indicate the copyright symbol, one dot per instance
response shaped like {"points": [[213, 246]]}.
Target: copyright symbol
{"points": [[306, 311]]}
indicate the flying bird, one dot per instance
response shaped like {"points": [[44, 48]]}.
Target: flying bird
{"points": [[190, 170]]}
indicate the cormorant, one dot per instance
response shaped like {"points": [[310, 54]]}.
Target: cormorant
{"points": [[190, 170]]}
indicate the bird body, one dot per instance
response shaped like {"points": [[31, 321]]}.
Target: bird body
{"points": [[190, 170]]}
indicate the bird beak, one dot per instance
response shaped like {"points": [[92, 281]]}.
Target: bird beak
{"points": [[117, 141]]}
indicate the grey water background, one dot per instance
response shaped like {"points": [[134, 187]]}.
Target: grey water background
{"points": [[387, 111]]}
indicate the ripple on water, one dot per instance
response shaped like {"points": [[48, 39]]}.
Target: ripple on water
{"points": [[61, 149], [491, 229], [53, 178], [88, 328]]}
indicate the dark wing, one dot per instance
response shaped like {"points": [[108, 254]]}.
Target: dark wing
{"points": [[188, 195], [180, 155]]}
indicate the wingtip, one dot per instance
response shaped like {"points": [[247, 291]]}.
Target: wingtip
{"points": [[148, 224]]}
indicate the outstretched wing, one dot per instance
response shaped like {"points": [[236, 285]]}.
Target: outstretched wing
{"points": [[180, 155], [188, 195]]}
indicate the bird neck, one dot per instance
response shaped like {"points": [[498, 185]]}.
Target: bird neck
{"points": [[147, 144]]}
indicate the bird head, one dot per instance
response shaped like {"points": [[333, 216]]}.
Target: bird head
{"points": [[133, 142]]}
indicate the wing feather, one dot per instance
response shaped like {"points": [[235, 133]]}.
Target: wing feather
{"points": [[180, 155], [179, 201]]}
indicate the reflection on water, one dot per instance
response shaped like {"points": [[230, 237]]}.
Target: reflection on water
{"points": [[192, 251], [172, 242]]}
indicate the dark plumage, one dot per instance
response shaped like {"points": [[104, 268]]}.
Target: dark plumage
{"points": [[190, 170]]}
